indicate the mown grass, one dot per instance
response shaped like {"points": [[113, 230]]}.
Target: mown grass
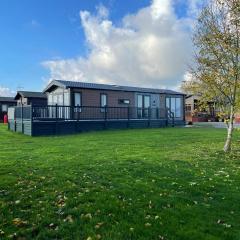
{"points": [[171, 183]]}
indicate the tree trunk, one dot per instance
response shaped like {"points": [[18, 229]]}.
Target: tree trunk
{"points": [[227, 146]]}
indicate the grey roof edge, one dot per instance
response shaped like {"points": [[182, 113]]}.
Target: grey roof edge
{"points": [[52, 83], [30, 94], [7, 99], [87, 85]]}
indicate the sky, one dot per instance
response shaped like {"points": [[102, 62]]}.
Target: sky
{"points": [[138, 42]]}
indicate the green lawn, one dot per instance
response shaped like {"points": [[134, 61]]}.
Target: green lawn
{"points": [[171, 183]]}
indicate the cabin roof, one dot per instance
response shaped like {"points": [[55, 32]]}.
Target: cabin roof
{"points": [[28, 94], [74, 84], [7, 99]]}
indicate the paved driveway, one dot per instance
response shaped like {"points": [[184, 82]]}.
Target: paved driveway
{"points": [[214, 124]]}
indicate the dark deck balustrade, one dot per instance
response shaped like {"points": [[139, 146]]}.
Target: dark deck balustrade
{"points": [[52, 120]]}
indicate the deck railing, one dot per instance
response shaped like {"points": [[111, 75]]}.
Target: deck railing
{"points": [[79, 113]]}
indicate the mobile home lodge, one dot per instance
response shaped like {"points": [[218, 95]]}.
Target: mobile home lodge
{"points": [[74, 107]]}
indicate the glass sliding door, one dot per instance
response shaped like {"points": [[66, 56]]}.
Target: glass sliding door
{"points": [[139, 106], [146, 106], [143, 105], [174, 104], [178, 108]]}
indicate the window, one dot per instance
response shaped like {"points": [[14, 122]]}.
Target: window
{"points": [[66, 99], [60, 99], [167, 102], [124, 101], [146, 102], [175, 106], [4, 108], [103, 102], [50, 99], [77, 102], [140, 101], [54, 99]]}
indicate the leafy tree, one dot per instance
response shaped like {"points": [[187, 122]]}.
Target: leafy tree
{"points": [[216, 71]]}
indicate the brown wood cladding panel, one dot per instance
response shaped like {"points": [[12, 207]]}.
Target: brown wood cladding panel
{"points": [[92, 97]]}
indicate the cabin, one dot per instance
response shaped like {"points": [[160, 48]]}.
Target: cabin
{"points": [[31, 98], [80, 106], [195, 113], [5, 103]]}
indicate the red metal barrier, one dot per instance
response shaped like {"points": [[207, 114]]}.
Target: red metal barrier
{"points": [[5, 119]]}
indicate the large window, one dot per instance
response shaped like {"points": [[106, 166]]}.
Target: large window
{"points": [[175, 105]]}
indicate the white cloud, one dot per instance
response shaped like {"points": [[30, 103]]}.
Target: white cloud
{"points": [[187, 77], [102, 11], [150, 48], [6, 92]]}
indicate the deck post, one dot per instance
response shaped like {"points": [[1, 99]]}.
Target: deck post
{"points": [[166, 116], [149, 116], [128, 112], [56, 118], [78, 113], [31, 118], [22, 118], [105, 116], [15, 120], [78, 117]]}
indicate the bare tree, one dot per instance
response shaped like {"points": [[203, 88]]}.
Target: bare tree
{"points": [[216, 72]]}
